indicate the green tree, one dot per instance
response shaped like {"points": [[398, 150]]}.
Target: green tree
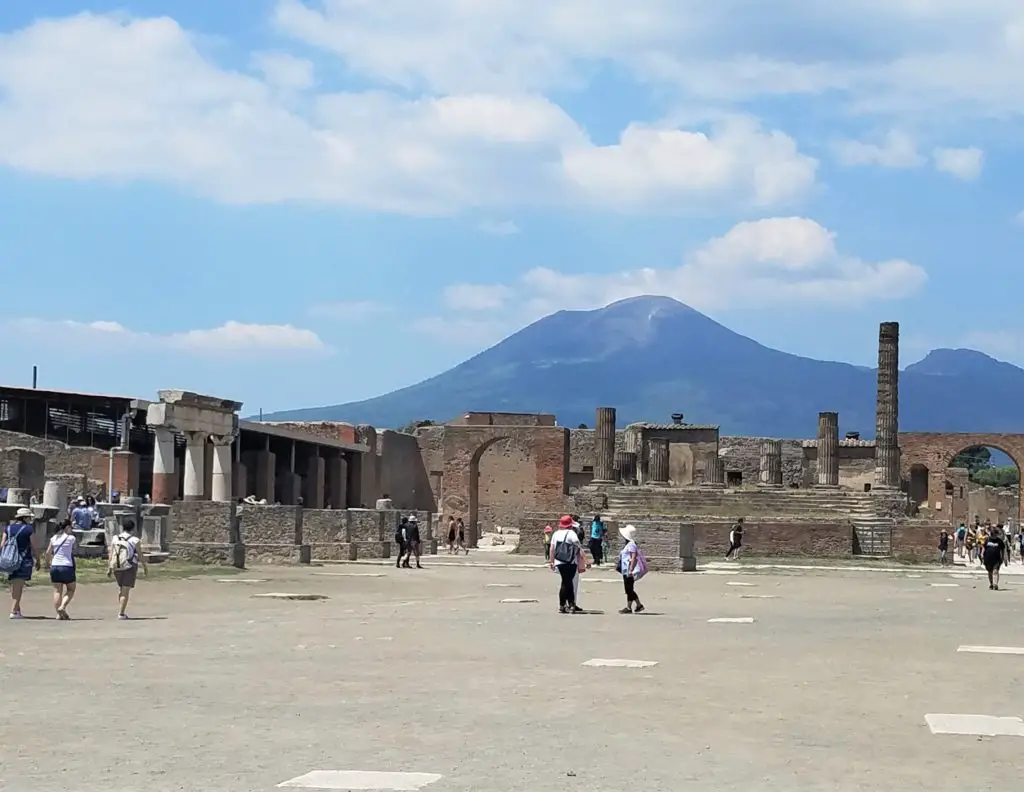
{"points": [[997, 476], [974, 459]]}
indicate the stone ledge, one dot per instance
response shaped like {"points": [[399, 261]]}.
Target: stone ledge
{"points": [[223, 554]]}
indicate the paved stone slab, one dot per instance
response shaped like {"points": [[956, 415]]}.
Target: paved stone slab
{"points": [[975, 725], [517, 601], [733, 620], [598, 662], [738, 583], [282, 595], [362, 780], [504, 585], [242, 580], [759, 596], [944, 585], [1006, 650]]}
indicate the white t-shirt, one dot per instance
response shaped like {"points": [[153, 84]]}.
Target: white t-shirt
{"points": [[564, 535], [63, 550]]}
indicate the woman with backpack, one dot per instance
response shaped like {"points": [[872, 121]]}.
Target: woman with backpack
{"points": [[60, 557], [564, 558], [16, 556], [632, 565], [125, 557]]}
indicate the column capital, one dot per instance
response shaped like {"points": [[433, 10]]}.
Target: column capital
{"points": [[223, 440]]}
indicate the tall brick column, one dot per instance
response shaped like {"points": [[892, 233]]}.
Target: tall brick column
{"points": [[604, 446], [828, 449], [887, 409], [165, 476], [625, 467], [771, 464], [714, 471], [657, 465]]}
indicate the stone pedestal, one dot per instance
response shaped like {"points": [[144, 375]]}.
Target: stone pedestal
{"points": [[604, 446], [221, 482], [55, 496], [195, 466], [625, 467], [770, 474], [18, 496], [313, 494], [828, 449], [657, 465], [887, 449], [714, 471], [687, 558]]}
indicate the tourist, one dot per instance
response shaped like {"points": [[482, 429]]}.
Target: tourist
{"points": [[125, 557], [597, 533], [1020, 541], [943, 547], [81, 516], [20, 533], [402, 540], [451, 535], [412, 533], [94, 511], [632, 567], [970, 543], [564, 558], [961, 535], [994, 556], [547, 540], [735, 540], [60, 557], [460, 528]]}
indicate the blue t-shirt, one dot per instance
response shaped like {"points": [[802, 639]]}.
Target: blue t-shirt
{"points": [[82, 518], [597, 530], [961, 532], [21, 534]]}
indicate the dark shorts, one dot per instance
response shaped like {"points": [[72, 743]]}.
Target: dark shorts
{"points": [[126, 577], [991, 561], [62, 574], [24, 572]]}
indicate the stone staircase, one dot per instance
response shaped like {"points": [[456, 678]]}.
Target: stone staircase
{"points": [[635, 502]]}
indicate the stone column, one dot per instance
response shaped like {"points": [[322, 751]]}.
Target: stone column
{"points": [[657, 466], [828, 449], [195, 465], [336, 482], [771, 463], [165, 475], [221, 483], [887, 409], [313, 483], [714, 471], [266, 476], [625, 467], [604, 446]]}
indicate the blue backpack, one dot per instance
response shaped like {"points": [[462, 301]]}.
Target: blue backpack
{"points": [[10, 557]]}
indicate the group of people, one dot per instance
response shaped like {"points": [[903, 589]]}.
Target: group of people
{"points": [[407, 537], [18, 561], [564, 550], [990, 545]]}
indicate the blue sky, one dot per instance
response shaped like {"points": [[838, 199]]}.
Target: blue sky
{"points": [[305, 202]]}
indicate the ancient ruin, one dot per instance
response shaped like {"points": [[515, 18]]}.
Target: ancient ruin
{"points": [[205, 484]]}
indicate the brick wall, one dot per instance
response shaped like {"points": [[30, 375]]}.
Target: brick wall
{"points": [[322, 430], [270, 524], [918, 540], [93, 463], [403, 474], [22, 468]]}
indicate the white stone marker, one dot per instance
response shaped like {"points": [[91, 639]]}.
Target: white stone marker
{"points": [[599, 663], [738, 583], [975, 725], [503, 585], [1007, 650], [759, 596], [517, 601], [734, 620], [944, 585], [242, 580], [286, 596], [361, 780], [349, 574]]}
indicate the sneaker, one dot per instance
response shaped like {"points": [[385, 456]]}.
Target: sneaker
{"points": [[576, 609], [122, 617], [626, 610], [640, 609], [561, 609], [16, 616]]}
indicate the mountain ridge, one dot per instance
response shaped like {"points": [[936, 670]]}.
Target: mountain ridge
{"points": [[653, 356]]}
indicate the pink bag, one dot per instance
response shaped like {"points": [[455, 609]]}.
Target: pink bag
{"points": [[640, 568]]}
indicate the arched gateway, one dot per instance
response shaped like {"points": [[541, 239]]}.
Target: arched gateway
{"points": [[925, 458]]}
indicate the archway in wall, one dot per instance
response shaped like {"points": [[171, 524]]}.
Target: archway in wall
{"points": [[982, 483], [917, 486], [488, 472]]}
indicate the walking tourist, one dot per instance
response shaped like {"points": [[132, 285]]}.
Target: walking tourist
{"points": [[125, 558], [564, 558], [1020, 542], [994, 556], [735, 540], [60, 558], [451, 535], [547, 540], [597, 533], [460, 529], [16, 556], [944, 547], [961, 535], [402, 540], [632, 565], [412, 532], [971, 543]]}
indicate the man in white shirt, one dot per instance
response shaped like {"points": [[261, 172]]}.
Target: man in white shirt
{"points": [[564, 557]]}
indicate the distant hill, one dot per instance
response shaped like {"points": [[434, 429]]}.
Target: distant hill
{"points": [[653, 356]]}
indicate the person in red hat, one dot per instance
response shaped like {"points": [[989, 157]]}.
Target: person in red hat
{"points": [[563, 557]]}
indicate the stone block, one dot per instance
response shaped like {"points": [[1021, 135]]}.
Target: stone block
{"points": [[204, 521], [223, 554], [324, 526], [259, 524]]}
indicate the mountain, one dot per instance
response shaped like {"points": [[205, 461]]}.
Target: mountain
{"points": [[653, 356]]}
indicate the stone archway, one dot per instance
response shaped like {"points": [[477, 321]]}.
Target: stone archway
{"points": [[917, 484], [936, 450]]}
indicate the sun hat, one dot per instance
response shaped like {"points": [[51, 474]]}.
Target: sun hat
{"points": [[627, 532], [23, 512], [565, 522], [412, 518]]}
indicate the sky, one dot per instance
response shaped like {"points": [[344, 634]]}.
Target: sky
{"points": [[294, 203]]}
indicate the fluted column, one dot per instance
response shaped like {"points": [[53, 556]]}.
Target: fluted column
{"points": [[887, 409], [657, 465], [828, 449], [625, 467], [771, 463], [195, 465], [714, 471], [604, 446]]}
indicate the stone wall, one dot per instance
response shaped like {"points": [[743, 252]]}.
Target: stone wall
{"points": [[22, 468], [205, 532], [988, 503], [336, 431], [856, 466], [743, 455], [270, 524], [92, 463], [403, 474], [325, 526]]}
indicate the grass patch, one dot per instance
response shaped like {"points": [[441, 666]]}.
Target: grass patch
{"points": [[94, 570]]}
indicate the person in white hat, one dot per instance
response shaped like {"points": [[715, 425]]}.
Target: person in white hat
{"points": [[20, 532], [628, 558]]}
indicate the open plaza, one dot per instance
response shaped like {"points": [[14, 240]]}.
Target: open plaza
{"points": [[822, 680]]}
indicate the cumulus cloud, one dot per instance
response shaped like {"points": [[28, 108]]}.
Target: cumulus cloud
{"points": [[96, 96], [231, 339], [896, 150], [961, 163], [772, 262]]}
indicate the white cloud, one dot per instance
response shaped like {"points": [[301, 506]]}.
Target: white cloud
{"points": [[897, 150], [98, 97], [282, 70], [499, 227], [962, 163], [773, 262], [475, 297], [354, 311], [231, 339]]}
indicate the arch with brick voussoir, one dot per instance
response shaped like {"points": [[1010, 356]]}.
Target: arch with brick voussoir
{"points": [[464, 446], [934, 451]]}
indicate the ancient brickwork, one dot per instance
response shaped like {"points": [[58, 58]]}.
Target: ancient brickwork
{"points": [[22, 468], [403, 474], [203, 521], [270, 524], [742, 455], [322, 430], [325, 526]]}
